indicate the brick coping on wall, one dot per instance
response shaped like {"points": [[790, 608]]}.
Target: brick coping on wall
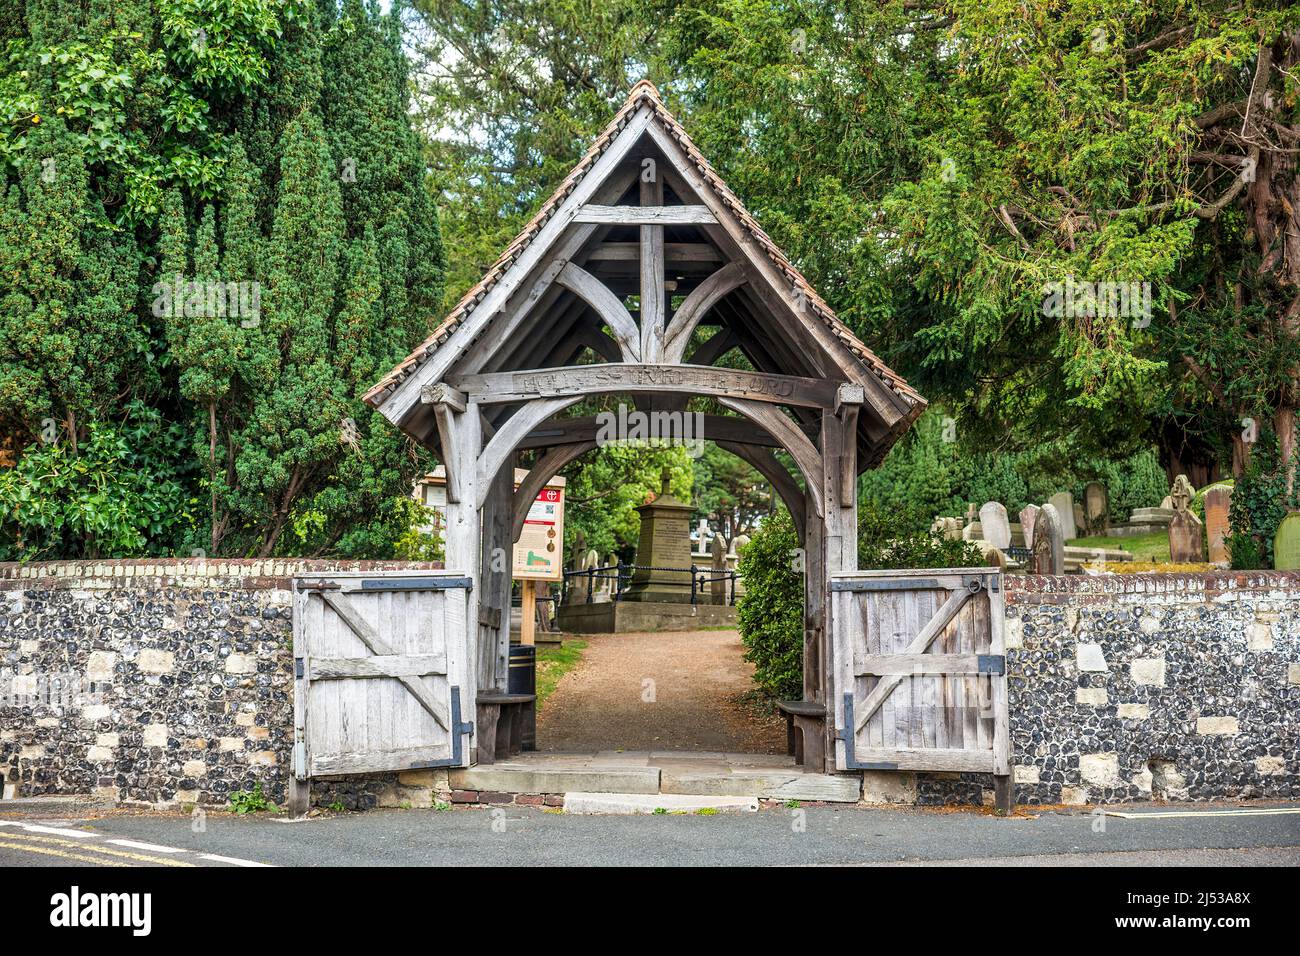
{"points": [[1089, 587], [236, 573]]}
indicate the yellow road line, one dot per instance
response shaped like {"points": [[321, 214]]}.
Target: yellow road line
{"points": [[92, 848], [49, 851]]}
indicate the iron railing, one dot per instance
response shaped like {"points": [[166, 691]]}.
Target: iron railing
{"points": [[620, 574]]}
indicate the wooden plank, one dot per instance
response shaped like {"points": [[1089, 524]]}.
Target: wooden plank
{"points": [[381, 665], [652, 307], [645, 215], [673, 252], [928, 633], [377, 645], [910, 758], [377, 761], [569, 431], [919, 664], [505, 442], [1001, 714], [527, 384]]}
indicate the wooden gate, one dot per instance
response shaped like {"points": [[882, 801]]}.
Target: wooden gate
{"points": [[382, 674], [920, 665]]}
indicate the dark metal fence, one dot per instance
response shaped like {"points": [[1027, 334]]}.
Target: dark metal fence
{"points": [[620, 574]]}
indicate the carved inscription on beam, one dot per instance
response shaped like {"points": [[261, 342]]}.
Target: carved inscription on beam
{"points": [[497, 387]]}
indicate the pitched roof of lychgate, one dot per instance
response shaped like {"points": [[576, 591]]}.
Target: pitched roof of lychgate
{"points": [[644, 93]]}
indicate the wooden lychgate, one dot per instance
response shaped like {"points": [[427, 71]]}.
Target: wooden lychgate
{"points": [[643, 279]]}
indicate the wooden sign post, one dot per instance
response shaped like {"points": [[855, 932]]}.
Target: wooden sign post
{"points": [[539, 551]]}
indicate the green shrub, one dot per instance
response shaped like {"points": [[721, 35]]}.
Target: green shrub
{"points": [[1259, 503], [123, 493], [770, 612], [888, 541]]}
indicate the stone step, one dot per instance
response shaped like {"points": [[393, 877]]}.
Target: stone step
{"points": [[768, 784], [625, 803], [522, 778]]}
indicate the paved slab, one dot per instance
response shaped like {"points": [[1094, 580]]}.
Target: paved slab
{"points": [[656, 803]]}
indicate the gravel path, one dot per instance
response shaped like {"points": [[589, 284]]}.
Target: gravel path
{"points": [[673, 690]]}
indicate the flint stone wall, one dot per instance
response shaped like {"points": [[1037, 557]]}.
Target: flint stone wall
{"points": [[171, 682], [156, 681], [1129, 687]]}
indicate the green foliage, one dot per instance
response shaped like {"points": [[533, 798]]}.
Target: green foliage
{"points": [[730, 493], [251, 801], [605, 490], [156, 154], [888, 540], [121, 493], [770, 612], [417, 543], [924, 476], [1259, 503]]}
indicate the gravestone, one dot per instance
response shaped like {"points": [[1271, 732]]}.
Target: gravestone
{"points": [[737, 548], [1049, 541], [994, 525], [665, 543], [1096, 507], [1218, 500], [1185, 529], [947, 529], [718, 584], [1286, 545], [578, 582], [1063, 502], [1028, 518]]}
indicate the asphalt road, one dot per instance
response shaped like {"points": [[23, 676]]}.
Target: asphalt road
{"points": [[45, 833]]}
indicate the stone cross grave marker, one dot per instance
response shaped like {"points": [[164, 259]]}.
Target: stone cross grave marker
{"points": [[1185, 529]]}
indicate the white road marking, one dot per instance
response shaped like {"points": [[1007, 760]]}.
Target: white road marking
{"points": [[55, 831], [1242, 812], [152, 847], [233, 861]]}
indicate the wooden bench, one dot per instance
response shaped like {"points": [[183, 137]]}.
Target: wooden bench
{"points": [[805, 732], [502, 721]]}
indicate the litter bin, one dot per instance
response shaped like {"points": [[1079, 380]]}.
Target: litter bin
{"points": [[522, 679]]}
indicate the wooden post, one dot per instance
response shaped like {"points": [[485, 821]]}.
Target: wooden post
{"points": [[299, 797], [527, 612]]}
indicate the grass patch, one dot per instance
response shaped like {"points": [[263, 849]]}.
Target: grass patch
{"points": [[553, 662], [1153, 547]]}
